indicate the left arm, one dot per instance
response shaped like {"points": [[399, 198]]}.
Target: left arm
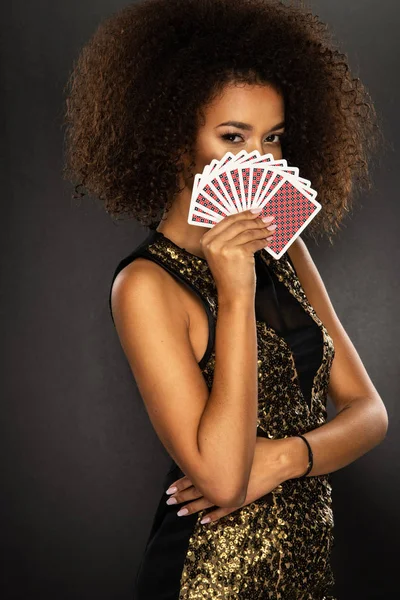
{"points": [[361, 421], [360, 424]]}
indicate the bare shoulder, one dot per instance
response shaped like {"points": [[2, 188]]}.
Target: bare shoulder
{"points": [[310, 278], [312, 284], [145, 278], [299, 253]]}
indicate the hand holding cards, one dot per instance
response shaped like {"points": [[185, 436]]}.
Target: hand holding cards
{"points": [[239, 182]]}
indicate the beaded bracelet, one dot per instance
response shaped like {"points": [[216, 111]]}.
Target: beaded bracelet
{"points": [[310, 456]]}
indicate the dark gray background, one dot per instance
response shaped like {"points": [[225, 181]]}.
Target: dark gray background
{"points": [[82, 466]]}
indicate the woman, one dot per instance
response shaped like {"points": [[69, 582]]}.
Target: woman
{"points": [[234, 352]]}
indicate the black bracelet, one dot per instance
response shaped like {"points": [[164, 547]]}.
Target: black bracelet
{"points": [[310, 457]]}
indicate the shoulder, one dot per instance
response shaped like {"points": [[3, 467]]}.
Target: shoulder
{"points": [[312, 283], [299, 254], [308, 275], [145, 285]]}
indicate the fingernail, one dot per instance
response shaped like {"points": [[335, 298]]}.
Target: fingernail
{"points": [[268, 219], [171, 490], [272, 227], [172, 501], [255, 210], [205, 520], [183, 511]]}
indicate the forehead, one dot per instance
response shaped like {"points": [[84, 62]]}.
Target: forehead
{"points": [[248, 103]]}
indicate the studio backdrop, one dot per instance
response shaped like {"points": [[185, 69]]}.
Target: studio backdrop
{"points": [[82, 465]]}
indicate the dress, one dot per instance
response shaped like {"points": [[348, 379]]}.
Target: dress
{"points": [[278, 547]]}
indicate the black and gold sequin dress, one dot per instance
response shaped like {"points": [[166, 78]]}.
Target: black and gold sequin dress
{"points": [[279, 546]]}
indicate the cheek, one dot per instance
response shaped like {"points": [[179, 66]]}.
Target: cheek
{"points": [[277, 153], [208, 148]]}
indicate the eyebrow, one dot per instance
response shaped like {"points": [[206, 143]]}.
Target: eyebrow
{"points": [[248, 127]]}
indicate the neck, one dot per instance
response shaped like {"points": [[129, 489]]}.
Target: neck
{"points": [[175, 226]]}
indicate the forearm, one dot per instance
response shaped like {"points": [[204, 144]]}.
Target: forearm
{"points": [[228, 426], [354, 431]]}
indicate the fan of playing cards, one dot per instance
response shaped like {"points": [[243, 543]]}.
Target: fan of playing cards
{"points": [[243, 181]]}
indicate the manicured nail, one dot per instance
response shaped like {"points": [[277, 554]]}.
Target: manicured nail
{"points": [[172, 501], [255, 210], [171, 490], [268, 219], [205, 520], [183, 511], [272, 227]]}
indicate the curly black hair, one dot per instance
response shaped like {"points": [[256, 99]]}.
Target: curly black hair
{"points": [[137, 89]]}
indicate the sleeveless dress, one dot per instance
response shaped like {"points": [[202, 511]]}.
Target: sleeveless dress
{"points": [[278, 547]]}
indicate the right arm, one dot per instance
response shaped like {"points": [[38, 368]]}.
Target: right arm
{"points": [[211, 436]]}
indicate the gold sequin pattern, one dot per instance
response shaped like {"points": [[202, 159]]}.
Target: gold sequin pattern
{"points": [[279, 546]]}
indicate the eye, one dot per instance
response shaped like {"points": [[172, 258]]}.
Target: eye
{"points": [[230, 135], [280, 136]]}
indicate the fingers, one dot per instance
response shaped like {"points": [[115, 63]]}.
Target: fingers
{"points": [[184, 494], [190, 493], [194, 507], [245, 230], [179, 485], [216, 514], [232, 222], [254, 235], [199, 502]]}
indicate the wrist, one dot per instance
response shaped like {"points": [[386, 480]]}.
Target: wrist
{"points": [[244, 302], [294, 458]]}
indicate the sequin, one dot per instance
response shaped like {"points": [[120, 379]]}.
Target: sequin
{"points": [[279, 546]]}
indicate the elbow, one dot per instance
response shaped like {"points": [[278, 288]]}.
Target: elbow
{"points": [[384, 425], [221, 490], [224, 489], [235, 499], [230, 501], [379, 421], [228, 496]]}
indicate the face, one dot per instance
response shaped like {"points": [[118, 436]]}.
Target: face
{"points": [[244, 117]]}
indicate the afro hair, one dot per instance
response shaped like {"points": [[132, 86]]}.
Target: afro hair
{"points": [[137, 88]]}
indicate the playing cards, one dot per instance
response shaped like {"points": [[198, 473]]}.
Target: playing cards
{"points": [[239, 182]]}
